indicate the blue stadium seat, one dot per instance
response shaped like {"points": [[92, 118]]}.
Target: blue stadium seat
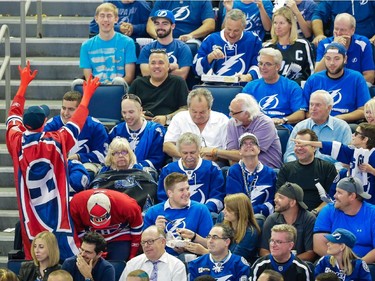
{"points": [[15, 265], [192, 78], [283, 134], [222, 95], [105, 104], [119, 268]]}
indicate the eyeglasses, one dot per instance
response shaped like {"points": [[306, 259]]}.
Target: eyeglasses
{"points": [[149, 242], [215, 237], [120, 153], [266, 64], [278, 242], [356, 133], [132, 97], [235, 113]]}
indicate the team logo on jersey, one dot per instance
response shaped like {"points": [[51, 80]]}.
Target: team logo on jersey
{"points": [[173, 225], [230, 62], [251, 22], [224, 278], [336, 96], [363, 2], [194, 189], [269, 102], [172, 58], [181, 13], [203, 269]]}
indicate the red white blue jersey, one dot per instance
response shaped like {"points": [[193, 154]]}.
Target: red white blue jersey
{"points": [[126, 218], [41, 176]]}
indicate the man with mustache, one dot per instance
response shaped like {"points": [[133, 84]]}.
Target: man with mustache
{"points": [[179, 54]]}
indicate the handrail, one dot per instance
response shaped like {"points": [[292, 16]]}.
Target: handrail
{"points": [[5, 67], [24, 8]]}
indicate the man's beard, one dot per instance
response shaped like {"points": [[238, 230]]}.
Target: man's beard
{"points": [[163, 35]]}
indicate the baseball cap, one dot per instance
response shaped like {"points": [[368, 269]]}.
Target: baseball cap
{"points": [[247, 136], [335, 47], [164, 14], [342, 236], [34, 116], [293, 191], [353, 184], [99, 208]]}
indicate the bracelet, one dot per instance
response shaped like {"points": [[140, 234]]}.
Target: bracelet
{"points": [[194, 236], [214, 152]]}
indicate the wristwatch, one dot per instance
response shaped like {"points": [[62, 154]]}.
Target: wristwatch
{"points": [[285, 120]]}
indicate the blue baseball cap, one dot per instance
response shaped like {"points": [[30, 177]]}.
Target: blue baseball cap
{"points": [[342, 236], [166, 14], [34, 116], [335, 47]]}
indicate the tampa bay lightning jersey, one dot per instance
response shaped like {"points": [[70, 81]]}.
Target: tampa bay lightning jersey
{"points": [[240, 57], [232, 268], [349, 92], [360, 269], [279, 99], [147, 143], [92, 140], [259, 186], [206, 183]]}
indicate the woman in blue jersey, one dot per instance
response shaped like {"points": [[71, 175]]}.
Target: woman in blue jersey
{"points": [[298, 57], [341, 259]]}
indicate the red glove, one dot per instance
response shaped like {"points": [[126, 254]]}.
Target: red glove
{"points": [[89, 88], [26, 74]]}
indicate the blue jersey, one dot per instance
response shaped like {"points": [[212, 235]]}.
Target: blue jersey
{"points": [[360, 269], [354, 157], [107, 58], [259, 186], [189, 15], [195, 217], [206, 183], [147, 143], [363, 11], [92, 140], [331, 218], [359, 53], [251, 11], [232, 268], [78, 177], [240, 58], [135, 13], [178, 52], [277, 100], [349, 92]]}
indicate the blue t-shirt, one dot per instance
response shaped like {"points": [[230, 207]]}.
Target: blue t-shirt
{"points": [[251, 11], [135, 13], [178, 52], [279, 99], [189, 15], [349, 92], [107, 59]]}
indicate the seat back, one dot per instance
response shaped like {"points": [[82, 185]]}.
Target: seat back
{"points": [[119, 268], [15, 265], [192, 78], [283, 134], [105, 104], [222, 95], [371, 266]]}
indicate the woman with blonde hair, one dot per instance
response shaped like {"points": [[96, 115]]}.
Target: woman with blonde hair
{"points": [[341, 259], [370, 111], [298, 56], [45, 253], [120, 156], [239, 215]]}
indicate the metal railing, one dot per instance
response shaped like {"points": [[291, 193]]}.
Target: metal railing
{"points": [[5, 67], [24, 8]]}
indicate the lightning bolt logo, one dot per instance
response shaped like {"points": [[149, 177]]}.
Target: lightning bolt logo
{"points": [[181, 13], [79, 146], [258, 191], [172, 58], [224, 278], [194, 188], [173, 225], [266, 102], [226, 66], [336, 96]]}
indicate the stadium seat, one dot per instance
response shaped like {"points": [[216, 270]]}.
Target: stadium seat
{"points": [[222, 95], [15, 265], [371, 266], [283, 134], [105, 104], [192, 78], [119, 267]]}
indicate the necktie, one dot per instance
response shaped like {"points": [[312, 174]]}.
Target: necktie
{"points": [[154, 273]]}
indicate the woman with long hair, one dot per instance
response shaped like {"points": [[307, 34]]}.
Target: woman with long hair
{"points": [[298, 56], [341, 259], [46, 255]]}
